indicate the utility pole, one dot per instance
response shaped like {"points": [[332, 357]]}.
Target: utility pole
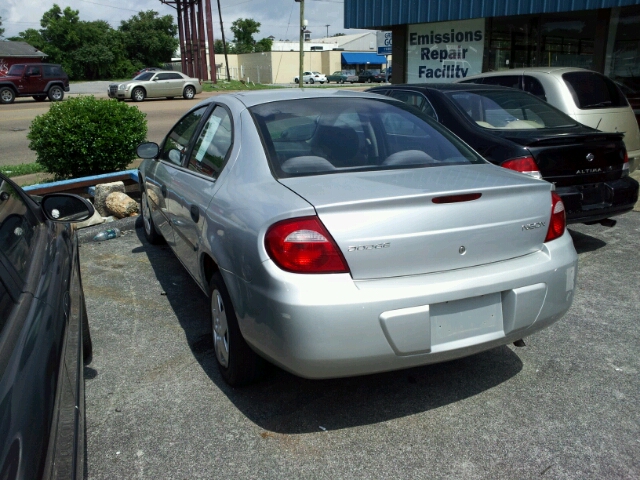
{"points": [[303, 27], [327, 30], [224, 43]]}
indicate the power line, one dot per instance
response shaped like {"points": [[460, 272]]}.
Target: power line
{"points": [[110, 6]]}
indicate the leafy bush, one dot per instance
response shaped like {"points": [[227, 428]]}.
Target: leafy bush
{"points": [[86, 136]]}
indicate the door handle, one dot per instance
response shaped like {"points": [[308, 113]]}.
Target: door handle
{"points": [[195, 213], [163, 189]]}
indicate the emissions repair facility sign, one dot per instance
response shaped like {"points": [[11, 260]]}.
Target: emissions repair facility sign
{"points": [[444, 52]]}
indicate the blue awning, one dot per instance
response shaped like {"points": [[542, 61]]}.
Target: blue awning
{"points": [[355, 58]]}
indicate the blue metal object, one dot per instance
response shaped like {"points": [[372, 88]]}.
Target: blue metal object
{"points": [[385, 13], [81, 182], [362, 58]]}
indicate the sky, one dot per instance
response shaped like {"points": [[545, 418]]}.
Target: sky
{"points": [[280, 18]]}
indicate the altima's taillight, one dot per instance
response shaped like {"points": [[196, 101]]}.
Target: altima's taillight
{"points": [[523, 165], [303, 245], [558, 222], [625, 163]]}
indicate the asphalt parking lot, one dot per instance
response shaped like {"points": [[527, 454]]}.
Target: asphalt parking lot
{"points": [[564, 406]]}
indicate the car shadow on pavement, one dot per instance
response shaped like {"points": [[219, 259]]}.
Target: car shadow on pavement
{"points": [[585, 243], [283, 403]]}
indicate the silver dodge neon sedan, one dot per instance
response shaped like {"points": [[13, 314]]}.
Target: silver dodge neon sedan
{"points": [[344, 233]]}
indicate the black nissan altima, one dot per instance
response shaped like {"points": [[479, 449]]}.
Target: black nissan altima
{"points": [[517, 130], [44, 335]]}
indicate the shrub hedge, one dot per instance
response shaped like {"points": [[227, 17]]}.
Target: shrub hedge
{"points": [[86, 136]]}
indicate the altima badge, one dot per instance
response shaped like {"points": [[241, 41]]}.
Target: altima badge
{"points": [[590, 157]]}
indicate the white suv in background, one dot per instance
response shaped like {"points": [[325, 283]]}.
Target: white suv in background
{"points": [[589, 97]]}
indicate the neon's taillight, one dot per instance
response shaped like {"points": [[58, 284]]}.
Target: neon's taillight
{"points": [[523, 165], [558, 221], [303, 245]]}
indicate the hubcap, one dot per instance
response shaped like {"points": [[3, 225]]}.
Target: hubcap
{"points": [[220, 328], [138, 94], [146, 213], [55, 93], [6, 95]]}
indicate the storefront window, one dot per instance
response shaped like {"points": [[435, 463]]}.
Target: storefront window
{"points": [[556, 40], [567, 40], [624, 58]]}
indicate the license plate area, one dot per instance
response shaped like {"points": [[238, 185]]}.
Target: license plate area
{"points": [[466, 319], [593, 194]]}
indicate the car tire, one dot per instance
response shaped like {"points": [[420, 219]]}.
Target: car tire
{"points": [[369, 80], [189, 92], [311, 81], [341, 80], [150, 232], [7, 95], [56, 93], [87, 344], [39, 98], [138, 94], [238, 364], [322, 83], [296, 80]]}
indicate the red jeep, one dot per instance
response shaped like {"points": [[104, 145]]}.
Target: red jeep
{"points": [[37, 80]]}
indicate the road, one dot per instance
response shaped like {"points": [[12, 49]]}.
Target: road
{"points": [[17, 117], [563, 407]]}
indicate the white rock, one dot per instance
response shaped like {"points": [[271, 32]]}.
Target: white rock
{"points": [[121, 205], [102, 192]]}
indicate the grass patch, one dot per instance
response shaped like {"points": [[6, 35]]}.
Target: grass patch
{"points": [[234, 85], [22, 169]]}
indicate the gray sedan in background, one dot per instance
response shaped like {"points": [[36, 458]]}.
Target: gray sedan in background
{"points": [[156, 84], [343, 233]]}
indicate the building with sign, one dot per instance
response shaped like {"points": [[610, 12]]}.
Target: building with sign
{"points": [[442, 41], [17, 52]]}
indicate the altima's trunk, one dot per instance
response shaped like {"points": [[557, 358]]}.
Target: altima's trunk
{"points": [[415, 221], [576, 159]]}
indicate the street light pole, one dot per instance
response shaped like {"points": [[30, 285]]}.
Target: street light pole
{"points": [[327, 30], [303, 27]]}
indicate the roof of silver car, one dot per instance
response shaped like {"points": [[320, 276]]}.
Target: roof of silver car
{"points": [[250, 99]]}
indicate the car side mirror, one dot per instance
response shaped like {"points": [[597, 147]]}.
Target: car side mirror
{"points": [[148, 150], [66, 207]]}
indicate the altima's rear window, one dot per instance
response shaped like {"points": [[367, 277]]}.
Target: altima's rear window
{"points": [[590, 90], [510, 109], [331, 135]]}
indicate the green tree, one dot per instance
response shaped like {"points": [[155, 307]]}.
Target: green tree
{"points": [[1, 29], [148, 39], [264, 45], [243, 30], [32, 36]]}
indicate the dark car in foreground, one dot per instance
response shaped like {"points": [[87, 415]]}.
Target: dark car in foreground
{"points": [[341, 233], [517, 130], [44, 336], [37, 80]]}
